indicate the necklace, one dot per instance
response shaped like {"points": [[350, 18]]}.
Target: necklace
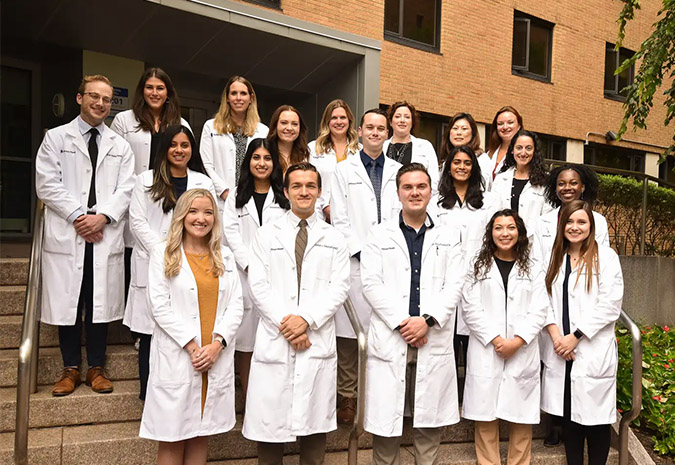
{"points": [[400, 151]]}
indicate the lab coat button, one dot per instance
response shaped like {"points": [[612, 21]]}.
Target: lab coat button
{"points": [[293, 297]]}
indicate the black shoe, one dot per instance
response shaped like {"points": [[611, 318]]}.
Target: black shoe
{"points": [[552, 439]]}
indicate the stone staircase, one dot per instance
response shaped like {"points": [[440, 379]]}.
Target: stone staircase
{"points": [[88, 428]]}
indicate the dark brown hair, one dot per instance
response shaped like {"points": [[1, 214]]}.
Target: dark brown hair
{"points": [[170, 114], [489, 248], [446, 145], [300, 150], [409, 106]]}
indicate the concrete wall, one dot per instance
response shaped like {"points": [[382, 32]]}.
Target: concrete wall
{"points": [[649, 293]]}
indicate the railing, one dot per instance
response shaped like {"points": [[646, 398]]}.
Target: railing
{"points": [[28, 349], [645, 179], [357, 429], [636, 404]]}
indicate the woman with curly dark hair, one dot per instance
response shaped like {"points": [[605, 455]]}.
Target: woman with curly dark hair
{"points": [[519, 185], [505, 304], [563, 185]]}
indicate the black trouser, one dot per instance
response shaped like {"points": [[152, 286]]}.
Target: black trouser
{"points": [[597, 436], [143, 361], [97, 333]]}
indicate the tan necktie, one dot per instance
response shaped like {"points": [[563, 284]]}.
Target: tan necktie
{"points": [[300, 245]]}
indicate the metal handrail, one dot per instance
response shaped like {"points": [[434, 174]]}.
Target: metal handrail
{"points": [[28, 349], [636, 404], [362, 340]]}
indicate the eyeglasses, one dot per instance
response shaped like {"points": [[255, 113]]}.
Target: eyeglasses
{"points": [[95, 96]]}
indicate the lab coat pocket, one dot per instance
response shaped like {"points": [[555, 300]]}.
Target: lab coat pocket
{"points": [[600, 360], [323, 344], [439, 342], [139, 269], [172, 367], [270, 345], [382, 344], [59, 234], [111, 167]]}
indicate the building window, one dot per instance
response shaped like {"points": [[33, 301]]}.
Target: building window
{"points": [[553, 147], [532, 43], [667, 170], [614, 84], [413, 22], [269, 3], [614, 157]]}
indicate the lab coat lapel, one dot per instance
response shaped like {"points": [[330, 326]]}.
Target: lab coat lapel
{"points": [[394, 231], [252, 210], [360, 171], [315, 235], [286, 236], [104, 145], [73, 132]]}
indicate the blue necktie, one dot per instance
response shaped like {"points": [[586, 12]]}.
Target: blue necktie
{"points": [[377, 187]]}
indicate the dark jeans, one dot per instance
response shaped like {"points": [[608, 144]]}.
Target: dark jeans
{"points": [[97, 333], [576, 435]]}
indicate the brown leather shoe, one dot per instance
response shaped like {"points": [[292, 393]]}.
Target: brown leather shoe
{"points": [[70, 379], [98, 380], [346, 411]]}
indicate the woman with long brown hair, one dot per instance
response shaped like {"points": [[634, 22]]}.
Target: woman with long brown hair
{"points": [[195, 296], [585, 285], [288, 136], [225, 138], [336, 141], [155, 107], [505, 307], [506, 123]]}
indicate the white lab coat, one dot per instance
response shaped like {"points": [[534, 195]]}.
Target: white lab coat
{"points": [[325, 164], [422, 152], [545, 231], [487, 163], [354, 213], [219, 155], [293, 393], [126, 125], [531, 204], [498, 388], [471, 225], [386, 270], [172, 410], [593, 376], [239, 227], [62, 182], [149, 226]]}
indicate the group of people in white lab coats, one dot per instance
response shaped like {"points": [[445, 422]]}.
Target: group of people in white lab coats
{"points": [[246, 248]]}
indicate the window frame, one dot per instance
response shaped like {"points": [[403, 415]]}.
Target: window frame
{"points": [[398, 37], [529, 20], [274, 4], [615, 94]]}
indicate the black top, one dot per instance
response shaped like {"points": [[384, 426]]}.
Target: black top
{"points": [[415, 241], [402, 153], [259, 199], [505, 269], [565, 296], [154, 146], [179, 185], [517, 189]]}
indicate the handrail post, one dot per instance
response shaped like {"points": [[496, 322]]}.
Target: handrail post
{"points": [[636, 402], [28, 348], [643, 217], [357, 430]]}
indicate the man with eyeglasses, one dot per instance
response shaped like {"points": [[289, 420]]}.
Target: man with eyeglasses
{"points": [[84, 175]]}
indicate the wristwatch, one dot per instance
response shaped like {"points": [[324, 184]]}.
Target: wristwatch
{"points": [[222, 341], [578, 334], [429, 319]]}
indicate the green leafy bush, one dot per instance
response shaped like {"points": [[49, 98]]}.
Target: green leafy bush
{"points": [[658, 383], [621, 203]]}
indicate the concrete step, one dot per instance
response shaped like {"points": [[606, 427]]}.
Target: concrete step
{"points": [[116, 443], [122, 364], [10, 333], [450, 454], [13, 271], [82, 407], [12, 300]]}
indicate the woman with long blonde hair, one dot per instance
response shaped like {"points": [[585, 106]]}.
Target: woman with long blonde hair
{"points": [[337, 140], [585, 285], [225, 138], [196, 301]]}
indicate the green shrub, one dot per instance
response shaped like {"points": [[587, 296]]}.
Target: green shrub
{"points": [[658, 383], [621, 203]]}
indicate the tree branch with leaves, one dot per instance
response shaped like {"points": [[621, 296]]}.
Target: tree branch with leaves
{"points": [[657, 53]]}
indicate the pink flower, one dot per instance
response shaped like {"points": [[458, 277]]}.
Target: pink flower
{"points": [[666, 328], [665, 365], [653, 355]]}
